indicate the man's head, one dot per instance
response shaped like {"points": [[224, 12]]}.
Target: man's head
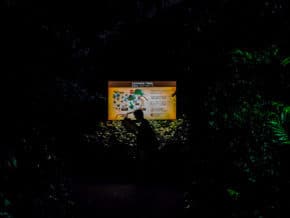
{"points": [[139, 115]]}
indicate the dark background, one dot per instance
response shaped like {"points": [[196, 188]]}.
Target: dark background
{"points": [[56, 59]]}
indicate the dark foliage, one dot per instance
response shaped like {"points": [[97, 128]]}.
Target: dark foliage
{"points": [[230, 59]]}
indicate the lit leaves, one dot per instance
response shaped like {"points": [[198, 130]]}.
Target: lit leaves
{"points": [[244, 56], [232, 193], [237, 107], [280, 135], [167, 131], [5, 203], [285, 61], [256, 57]]}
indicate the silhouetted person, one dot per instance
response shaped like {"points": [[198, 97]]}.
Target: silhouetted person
{"points": [[147, 144], [146, 139], [146, 154]]}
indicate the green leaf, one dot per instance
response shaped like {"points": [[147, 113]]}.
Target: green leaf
{"points": [[131, 97], [275, 51], [233, 193], [285, 61], [249, 55], [138, 92], [238, 52], [6, 203], [13, 162]]}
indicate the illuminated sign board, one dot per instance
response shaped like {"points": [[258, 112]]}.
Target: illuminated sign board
{"points": [[157, 99]]}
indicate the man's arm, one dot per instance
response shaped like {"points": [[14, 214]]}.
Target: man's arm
{"points": [[129, 125]]}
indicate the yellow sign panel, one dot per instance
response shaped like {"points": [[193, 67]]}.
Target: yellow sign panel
{"points": [[156, 99]]}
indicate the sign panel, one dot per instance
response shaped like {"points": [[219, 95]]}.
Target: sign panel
{"points": [[157, 99]]}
